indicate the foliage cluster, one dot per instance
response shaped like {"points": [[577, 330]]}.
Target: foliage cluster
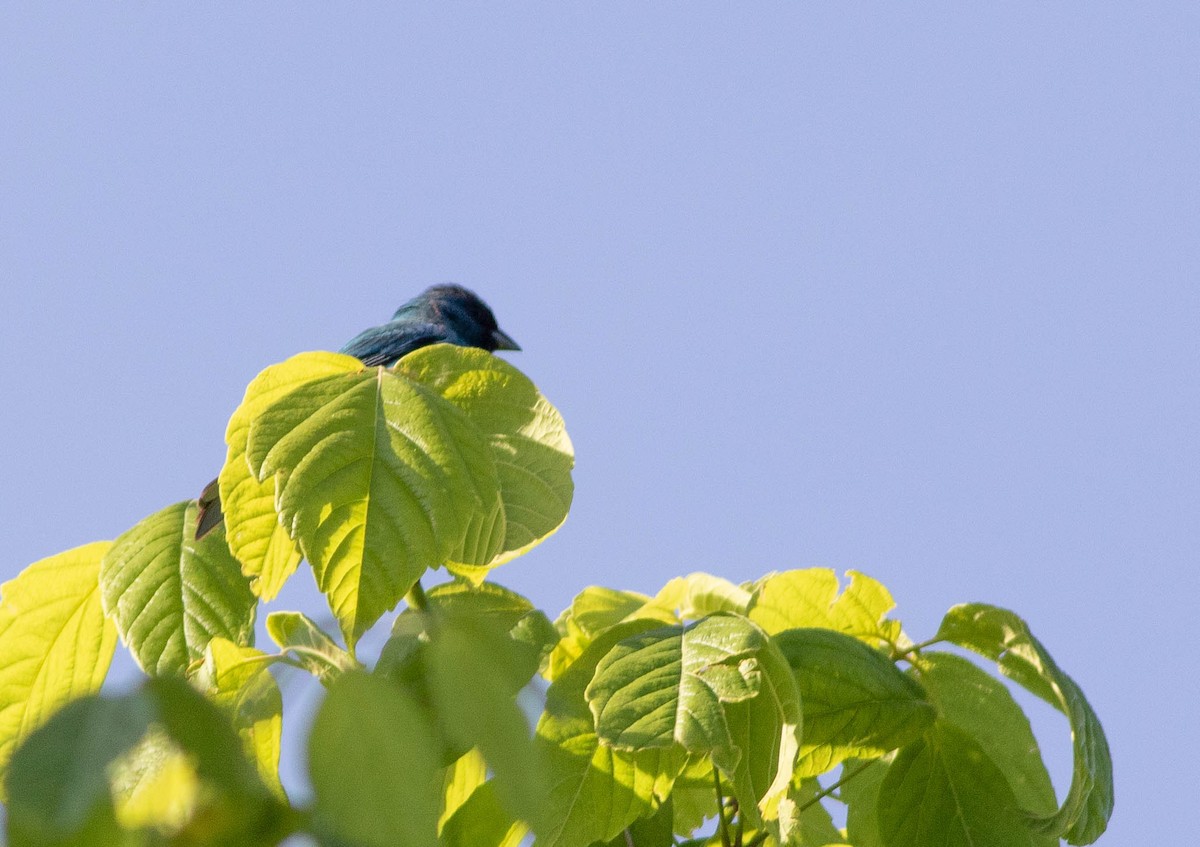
{"points": [[710, 713]]}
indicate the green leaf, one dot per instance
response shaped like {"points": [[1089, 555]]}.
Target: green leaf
{"points": [[699, 594], [236, 679], [594, 791], [651, 831], [594, 610], [57, 786], [944, 789], [171, 594], [377, 478], [488, 604], [470, 671], [856, 702], [809, 598], [460, 779], [1005, 638], [812, 825], [482, 822], [860, 793], [980, 705], [56, 643], [716, 687], [252, 525], [154, 784], [373, 768], [63, 777], [693, 800], [527, 438], [299, 637]]}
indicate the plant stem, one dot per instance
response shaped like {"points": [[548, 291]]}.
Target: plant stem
{"points": [[916, 648], [416, 598], [721, 810], [825, 792]]}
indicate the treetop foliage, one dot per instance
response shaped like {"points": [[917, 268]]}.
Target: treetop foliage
{"points": [[711, 713]]}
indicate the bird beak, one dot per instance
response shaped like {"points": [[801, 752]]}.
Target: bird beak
{"points": [[503, 341]]}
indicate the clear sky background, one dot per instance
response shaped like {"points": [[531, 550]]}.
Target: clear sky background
{"points": [[907, 290]]}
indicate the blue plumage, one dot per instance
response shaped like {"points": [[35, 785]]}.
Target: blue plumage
{"points": [[441, 314]]}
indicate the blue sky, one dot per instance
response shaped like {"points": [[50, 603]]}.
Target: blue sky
{"points": [[911, 291]]}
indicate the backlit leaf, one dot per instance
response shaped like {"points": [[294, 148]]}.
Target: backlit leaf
{"points": [[373, 766], [943, 789], [594, 791], [170, 594], [809, 598], [236, 679], [377, 478], [857, 703], [980, 705], [1005, 638], [527, 437], [56, 642], [252, 526], [299, 637]]}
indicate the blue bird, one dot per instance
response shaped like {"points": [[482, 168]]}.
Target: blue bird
{"points": [[447, 314], [443, 313]]}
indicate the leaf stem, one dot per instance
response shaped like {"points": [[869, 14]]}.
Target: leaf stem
{"points": [[825, 792], [897, 655], [721, 809], [416, 597]]}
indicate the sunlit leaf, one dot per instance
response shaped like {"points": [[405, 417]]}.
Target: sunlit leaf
{"points": [[809, 598], [62, 779], [299, 637], [943, 789], [980, 705], [252, 525], [55, 643], [482, 821], [809, 823], [594, 610], [170, 594], [1005, 638], [594, 791], [373, 766], [377, 478], [459, 781], [699, 594], [236, 679], [155, 784], [857, 703], [716, 687], [528, 441]]}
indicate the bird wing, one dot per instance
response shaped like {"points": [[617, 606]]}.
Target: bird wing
{"points": [[384, 345]]}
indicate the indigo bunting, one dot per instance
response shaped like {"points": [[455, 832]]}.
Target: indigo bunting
{"points": [[441, 314]]}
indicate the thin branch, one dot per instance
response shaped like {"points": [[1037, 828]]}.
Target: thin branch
{"points": [[825, 792], [721, 810]]}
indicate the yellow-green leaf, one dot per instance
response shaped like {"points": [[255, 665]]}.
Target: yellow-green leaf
{"points": [[809, 598], [170, 594], [1005, 638], [236, 679], [57, 644], [377, 478], [526, 435], [252, 527]]}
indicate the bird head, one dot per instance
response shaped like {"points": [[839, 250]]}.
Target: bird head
{"points": [[461, 311]]}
